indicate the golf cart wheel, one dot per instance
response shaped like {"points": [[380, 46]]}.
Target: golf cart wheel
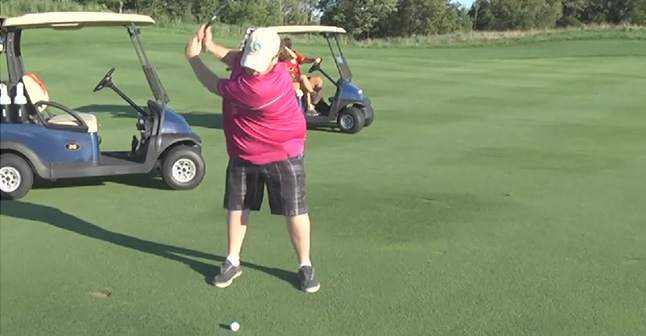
{"points": [[351, 120], [183, 168], [16, 177]]}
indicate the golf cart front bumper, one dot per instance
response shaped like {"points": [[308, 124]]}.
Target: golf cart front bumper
{"points": [[368, 113]]}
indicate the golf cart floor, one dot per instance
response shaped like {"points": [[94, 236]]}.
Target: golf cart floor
{"points": [[118, 159], [110, 163]]}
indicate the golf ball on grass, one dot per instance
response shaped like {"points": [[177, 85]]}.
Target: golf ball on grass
{"points": [[235, 326]]}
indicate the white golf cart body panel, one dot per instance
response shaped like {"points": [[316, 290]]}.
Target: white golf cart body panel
{"points": [[75, 20]]}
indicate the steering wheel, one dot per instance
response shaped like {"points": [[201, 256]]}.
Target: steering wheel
{"points": [[315, 67], [106, 80]]}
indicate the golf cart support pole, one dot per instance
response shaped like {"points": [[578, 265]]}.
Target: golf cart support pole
{"points": [[338, 46], [349, 74], [14, 57], [151, 75], [327, 37], [132, 31]]}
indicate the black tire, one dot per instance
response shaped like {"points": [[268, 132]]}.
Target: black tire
{"points": [[14, 169], [370, 116], [350, 120], [194, 168]]}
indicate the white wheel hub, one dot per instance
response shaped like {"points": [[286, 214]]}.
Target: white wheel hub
{"points": [[347, 121], [10, 179], [183, 170]]}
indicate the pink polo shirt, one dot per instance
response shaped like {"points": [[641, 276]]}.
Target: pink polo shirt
{"points": [[261, 117]]}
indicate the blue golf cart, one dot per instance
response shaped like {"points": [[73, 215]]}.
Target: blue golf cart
{"points": [[349, 109], [37, 142]]}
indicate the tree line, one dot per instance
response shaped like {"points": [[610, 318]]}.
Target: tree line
{"points": [[389, 18]]}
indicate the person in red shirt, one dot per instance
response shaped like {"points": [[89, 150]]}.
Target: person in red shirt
{"points": [[309, 85], [265, 132]]}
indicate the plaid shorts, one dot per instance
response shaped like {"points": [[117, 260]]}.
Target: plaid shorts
{"points": [[285, 181]]}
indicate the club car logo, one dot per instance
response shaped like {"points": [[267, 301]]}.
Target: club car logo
{"points": [[72, 146]]}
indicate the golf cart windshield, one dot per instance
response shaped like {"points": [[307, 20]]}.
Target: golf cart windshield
{"points": [[158, 90], [340, 60]]}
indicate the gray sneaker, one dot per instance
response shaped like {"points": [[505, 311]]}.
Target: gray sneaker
{"points": [[228, 272], [307, 279]]}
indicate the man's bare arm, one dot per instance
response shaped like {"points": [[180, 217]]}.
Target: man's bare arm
{"points": [[208, 79]]}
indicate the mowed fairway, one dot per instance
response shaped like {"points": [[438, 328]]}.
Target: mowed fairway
{"points": [[500, 191]]}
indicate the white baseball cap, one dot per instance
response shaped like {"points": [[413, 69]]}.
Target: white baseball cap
{"points": [[263, 44]]}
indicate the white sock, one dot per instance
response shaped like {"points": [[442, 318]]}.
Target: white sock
{"points": [[307, 263], [235, 261]]}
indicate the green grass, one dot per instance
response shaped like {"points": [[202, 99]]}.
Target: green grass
{"points": [[488, 38], [500, 191]]}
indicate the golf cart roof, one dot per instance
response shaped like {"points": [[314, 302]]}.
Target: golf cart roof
{"points": [[307, 29], [75, 20]]}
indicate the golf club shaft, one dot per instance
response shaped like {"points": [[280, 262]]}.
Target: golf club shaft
{"points": [[215, 14]]}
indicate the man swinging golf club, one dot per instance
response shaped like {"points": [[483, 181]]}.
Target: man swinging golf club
{"points": [[265, 133]]}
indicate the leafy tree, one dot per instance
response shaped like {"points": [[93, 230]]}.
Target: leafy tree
{"points": [[517, 14], [376, 18], [572, 11], [358, 17]]}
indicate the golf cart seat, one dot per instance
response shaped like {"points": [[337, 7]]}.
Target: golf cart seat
{"points": [[39, 96]]}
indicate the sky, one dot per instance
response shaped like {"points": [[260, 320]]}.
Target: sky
{"points": [[467, 3]]}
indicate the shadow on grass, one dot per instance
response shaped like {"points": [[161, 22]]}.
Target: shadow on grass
{"points": [[328, 129], [147, 181], [57, 218], [197, 119]]}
